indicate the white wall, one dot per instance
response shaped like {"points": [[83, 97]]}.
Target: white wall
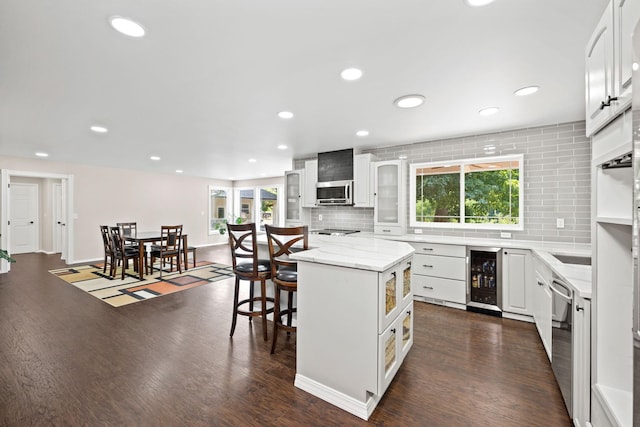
{"points": [[104, 196]]}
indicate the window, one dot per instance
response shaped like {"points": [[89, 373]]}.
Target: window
{"points": [[260, 205], [472, 193], [219, 204]]}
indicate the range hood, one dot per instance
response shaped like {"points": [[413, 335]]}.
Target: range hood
{"points": [[335, 166]]}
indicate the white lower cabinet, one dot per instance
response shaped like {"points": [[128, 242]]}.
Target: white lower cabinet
{"points": [[516, 281], [439, 273], [355, 328], [394, 344], [542, 303], [582, 362]]}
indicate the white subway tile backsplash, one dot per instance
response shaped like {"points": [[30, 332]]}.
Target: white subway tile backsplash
{"points": [[557, 180]]}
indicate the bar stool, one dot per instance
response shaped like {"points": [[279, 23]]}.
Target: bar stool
{"points": [[243, 244], [284, 273]]}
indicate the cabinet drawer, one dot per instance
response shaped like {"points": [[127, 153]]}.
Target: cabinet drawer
{"points": [[439, 249], [439, 288], [388, 230], [439, 266]]}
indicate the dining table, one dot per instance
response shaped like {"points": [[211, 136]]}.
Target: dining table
{"points": [[142, 237]]}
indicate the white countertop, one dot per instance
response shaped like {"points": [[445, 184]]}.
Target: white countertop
{"points": [[374, 252], [364, 253]]}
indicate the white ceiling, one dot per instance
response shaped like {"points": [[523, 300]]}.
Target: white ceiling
{"points": [[202, 90]]}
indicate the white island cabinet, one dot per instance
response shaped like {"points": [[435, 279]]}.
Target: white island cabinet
{"points": [[355, 319]]}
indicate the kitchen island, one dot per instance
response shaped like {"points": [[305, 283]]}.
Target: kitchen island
{"points": [[355, 322]]}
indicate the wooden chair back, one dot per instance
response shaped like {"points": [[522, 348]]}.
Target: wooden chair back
{"points": [[282, 242], [171, 238], [128, 229], [243, 244], [106, 240]]}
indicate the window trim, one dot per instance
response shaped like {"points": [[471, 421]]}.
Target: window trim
{"points": [[462, 225], [228, 206], [256, 214]]}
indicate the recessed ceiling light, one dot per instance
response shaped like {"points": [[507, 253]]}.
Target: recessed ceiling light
{"points": [[127, 26], [635, 66], [285, 114], [362, 133], [282, 147], [41, 154], [526, 90], [99, 129], [252, 160], [179, 171], [351, 74], [154, 158], [476, 3], [488, 111], [409, 101]]}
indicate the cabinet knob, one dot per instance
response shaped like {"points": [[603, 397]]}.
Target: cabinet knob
{"points": [[393, 330], [540, 283], [428, 287], [427, 249], [427, 266], [393, 273], [408, 311], [578, 308]]}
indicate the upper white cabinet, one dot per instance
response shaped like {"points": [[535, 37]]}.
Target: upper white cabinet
{"points": [[390, 182], [625, 16], [310, 181], [294, 187], [599, 73], [516, 270], [608, 64], [363, 180]]}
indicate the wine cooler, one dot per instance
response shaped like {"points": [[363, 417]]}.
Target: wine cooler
{"points": [[484, 280]]}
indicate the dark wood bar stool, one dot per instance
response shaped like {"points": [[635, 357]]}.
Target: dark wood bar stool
{"points": [[284, 272], [243, 244]]}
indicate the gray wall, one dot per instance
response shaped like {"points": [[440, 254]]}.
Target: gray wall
{"points": [[557, 180]]}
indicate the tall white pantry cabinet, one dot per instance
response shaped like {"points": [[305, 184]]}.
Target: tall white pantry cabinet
{"points": [[608, 94]]}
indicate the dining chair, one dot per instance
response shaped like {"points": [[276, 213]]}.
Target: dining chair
{"points": [[128, 229], [108, 250], [284, 272], [123, 253], [170, 247], [247, 266]]}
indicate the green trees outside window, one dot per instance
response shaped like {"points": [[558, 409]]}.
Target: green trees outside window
{"points": [[483, 193]]}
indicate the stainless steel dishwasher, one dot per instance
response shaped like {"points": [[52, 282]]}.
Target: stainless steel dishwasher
{"points": [[562, 340]]}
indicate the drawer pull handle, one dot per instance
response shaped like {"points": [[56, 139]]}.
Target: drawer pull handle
{"points": [[393, 330], [386, 231], [427, 266], [428, 287], [393, 273], [408, 311], [427, 249], [540, 283], [578, 308]]}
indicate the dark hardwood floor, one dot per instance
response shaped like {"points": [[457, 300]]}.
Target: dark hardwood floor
{"points": [[67, 358]]}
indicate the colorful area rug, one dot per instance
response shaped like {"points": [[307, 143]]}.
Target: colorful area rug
{"points": [[118, 292]]}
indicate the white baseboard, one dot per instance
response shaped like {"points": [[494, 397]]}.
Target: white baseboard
{"points": [[336, 398]]}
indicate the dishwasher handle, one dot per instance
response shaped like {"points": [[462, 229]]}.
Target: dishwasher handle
{"points": [[567, 298]]}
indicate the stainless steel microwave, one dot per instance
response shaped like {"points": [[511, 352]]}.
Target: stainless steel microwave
{"points": [[334, 193]]}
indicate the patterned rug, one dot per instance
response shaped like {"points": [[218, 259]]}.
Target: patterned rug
{"points": [[117, 292]]}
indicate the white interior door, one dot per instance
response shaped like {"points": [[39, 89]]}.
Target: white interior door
{"points": [[23, 218], [59, 219]]}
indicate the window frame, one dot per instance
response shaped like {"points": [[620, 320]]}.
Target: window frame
{"points": [[461, 164], [257, 205], [228, 206]]}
